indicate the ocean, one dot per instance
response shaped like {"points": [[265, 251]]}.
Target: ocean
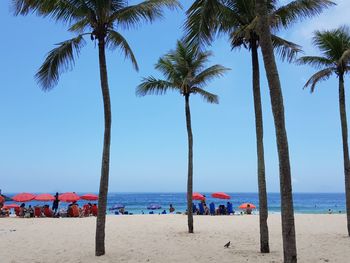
{"points": [[304, 203]]}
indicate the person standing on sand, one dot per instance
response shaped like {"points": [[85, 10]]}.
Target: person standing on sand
{"points": [[55, 204], [171, 209]]}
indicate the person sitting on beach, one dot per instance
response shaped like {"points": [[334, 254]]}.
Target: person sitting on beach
{"points": [[206, 210], [86, 209], [121, 210], [171, 209], [22, 210], [30, 210], [248, 210], [222, 210], [94, 210], [164, 212]]}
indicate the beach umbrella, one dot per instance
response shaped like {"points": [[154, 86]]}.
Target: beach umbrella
{"points": [[9, 206], [221, 195], [198, 196], [23, 197], [44, 197], [68, 197], [117, 206], [154, 207], [2, 199], [90, 197], [247, 205]]}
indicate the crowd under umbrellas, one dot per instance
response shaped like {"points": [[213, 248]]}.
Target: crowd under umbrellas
{"points": [[219, 203], [71, 198]]}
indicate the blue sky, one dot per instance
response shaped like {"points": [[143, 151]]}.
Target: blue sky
{"points": [[52, 141]]}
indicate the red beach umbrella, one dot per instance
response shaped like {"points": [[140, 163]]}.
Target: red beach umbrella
{"points": [[221, 195], [89, 197], [68, 197], [2, 199], [44, 197], [198, 196], [23, 197], [9, 206], [247, 205]]}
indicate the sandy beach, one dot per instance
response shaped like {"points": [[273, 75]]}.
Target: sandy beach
{"points": [[163, 238]]}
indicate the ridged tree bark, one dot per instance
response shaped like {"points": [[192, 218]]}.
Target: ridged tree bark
{"points": [[344, 130], [263, 210], [190, 165], [287, 210], [102, 200]]}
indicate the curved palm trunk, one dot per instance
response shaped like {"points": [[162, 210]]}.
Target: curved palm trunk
{"points": [[102, 200], [190, 165], [287, 210], [344, 129], [263, 210]]}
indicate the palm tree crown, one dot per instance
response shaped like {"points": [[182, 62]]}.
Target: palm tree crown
{"points": [[238, 19], [184, 71], [99, 19], [335, 48]]}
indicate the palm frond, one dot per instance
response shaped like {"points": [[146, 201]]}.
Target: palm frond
{"points": [[150, 10], [298, 10], [285, 49], [58, 61], [208, 74], [80, 25], [314, 61], [333, 43], [321, 75], [207, 96], [24, 7], [202, 21], [115, 39], [151, 85]]}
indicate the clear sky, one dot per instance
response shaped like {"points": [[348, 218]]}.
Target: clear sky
{"points": [[52, 141]]}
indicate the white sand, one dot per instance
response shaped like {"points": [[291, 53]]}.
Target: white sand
{"points": [[163, 238]]}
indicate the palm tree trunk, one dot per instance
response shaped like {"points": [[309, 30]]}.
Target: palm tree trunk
{"points": [[263, 210], [190, 165], [287, 210], [344, 129], [102, 200]]}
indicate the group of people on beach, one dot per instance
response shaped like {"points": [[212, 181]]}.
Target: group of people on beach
{"points": [[73, 210]]}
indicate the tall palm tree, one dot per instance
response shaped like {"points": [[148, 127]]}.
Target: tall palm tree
{"points": [[335, 48], [99, 20], [287, 210], [184, 71], [237, 19]]}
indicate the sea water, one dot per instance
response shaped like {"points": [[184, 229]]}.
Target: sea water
{"points": [[136, 203]]}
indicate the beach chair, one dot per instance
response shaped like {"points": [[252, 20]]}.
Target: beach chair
{"points": [[48, 212], [17, 211], [201, 209], [212, 209], [94, 209], [194, 208], [230, 208], [37, 211]]}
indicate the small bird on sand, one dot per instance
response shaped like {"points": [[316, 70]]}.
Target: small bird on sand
{"points": [[228, 244]]}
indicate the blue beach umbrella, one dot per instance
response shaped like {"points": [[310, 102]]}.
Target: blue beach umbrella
{"points": [[117, 206], [153, 207]]}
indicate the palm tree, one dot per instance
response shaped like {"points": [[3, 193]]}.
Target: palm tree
{"points": [[237, 19], [99, 20], [287, 210], [335, 48], [185, 72]]}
